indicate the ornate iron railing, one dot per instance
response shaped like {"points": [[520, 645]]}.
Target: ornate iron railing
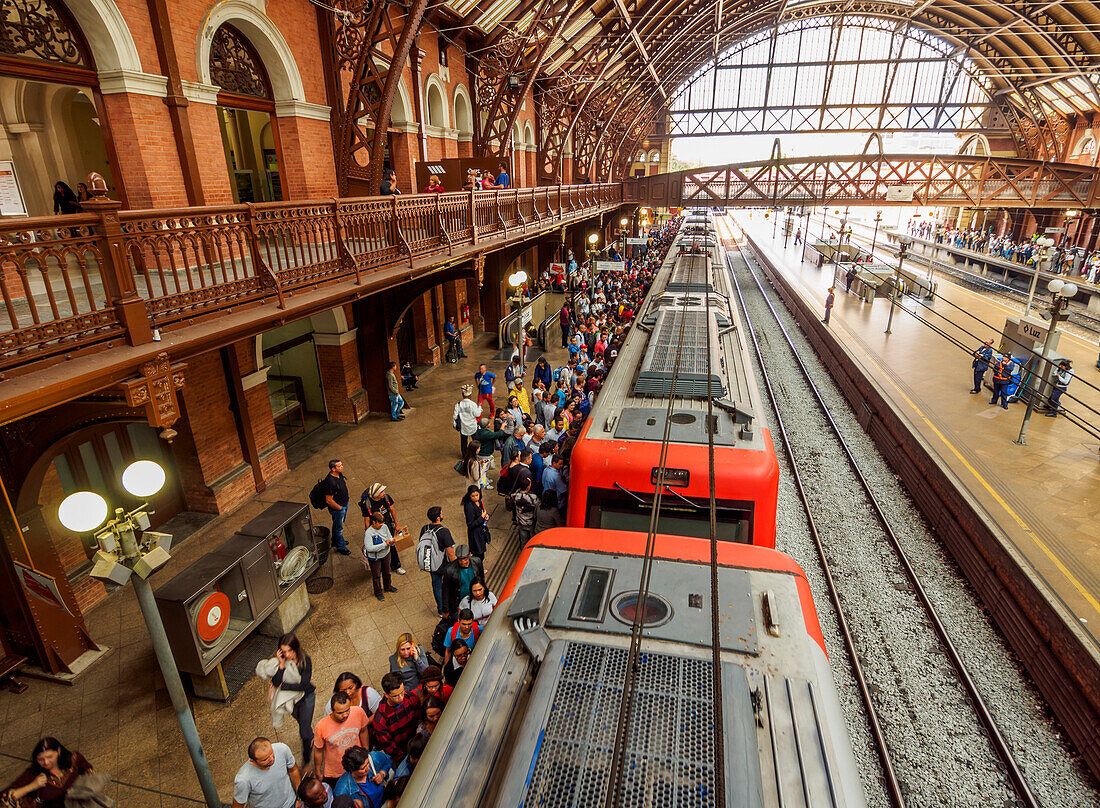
{"points": [[109, 274]]}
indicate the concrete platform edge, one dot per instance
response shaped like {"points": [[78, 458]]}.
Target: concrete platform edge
{"points": [[1063, 663]]}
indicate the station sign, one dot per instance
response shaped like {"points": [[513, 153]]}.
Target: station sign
{"points": [[1055, 230], [637, 242], [900, 193], [611, 266]]}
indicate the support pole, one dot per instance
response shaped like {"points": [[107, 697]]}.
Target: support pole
{"points": [[1055, 316], [171, 675], [902, 246]]}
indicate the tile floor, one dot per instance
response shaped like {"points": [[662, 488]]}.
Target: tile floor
{"points": [[119, 714]]}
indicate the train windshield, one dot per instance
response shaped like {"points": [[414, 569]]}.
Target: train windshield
{"points": [[616, 510]]}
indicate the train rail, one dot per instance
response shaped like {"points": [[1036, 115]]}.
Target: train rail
{"points": [[895, 784]]}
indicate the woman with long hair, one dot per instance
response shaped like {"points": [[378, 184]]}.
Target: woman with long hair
{"points": [[477, 521], [409, 660], [472, 464], [480, 602], [292, 676], [48, 778], [64, 200]]}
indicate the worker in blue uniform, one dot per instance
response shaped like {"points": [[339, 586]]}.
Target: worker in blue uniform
{"points": [[1002, 375], [1062, 377], [983, 358]]}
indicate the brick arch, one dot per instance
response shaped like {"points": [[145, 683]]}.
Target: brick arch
{"points": [[263, 35], [107, 35]]}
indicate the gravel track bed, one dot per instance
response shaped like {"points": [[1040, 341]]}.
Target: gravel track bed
{"points": [[937, 743]]}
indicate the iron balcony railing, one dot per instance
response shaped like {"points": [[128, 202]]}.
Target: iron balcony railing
{"points": [[113, 275]]}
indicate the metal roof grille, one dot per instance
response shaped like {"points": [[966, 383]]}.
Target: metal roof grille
{"points": [[665, 345], [669, 756]]}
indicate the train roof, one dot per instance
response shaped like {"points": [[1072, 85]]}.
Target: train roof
{"points": [[544, 734], [676, 320]]}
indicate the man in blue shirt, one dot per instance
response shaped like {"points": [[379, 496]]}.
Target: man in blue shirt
{"points": [[553, 477], [503, 180], [484, 379], [450, 331]]}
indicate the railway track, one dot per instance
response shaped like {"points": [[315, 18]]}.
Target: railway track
{"points": [[921, 731]]}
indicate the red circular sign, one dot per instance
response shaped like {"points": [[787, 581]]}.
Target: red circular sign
{"points": [[212, 617]]}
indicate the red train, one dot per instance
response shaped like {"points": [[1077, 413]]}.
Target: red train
{"points": [[615, 466], [531, 721]]}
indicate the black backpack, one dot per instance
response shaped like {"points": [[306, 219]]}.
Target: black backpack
{"points": [[442, 627], [317, 495]]}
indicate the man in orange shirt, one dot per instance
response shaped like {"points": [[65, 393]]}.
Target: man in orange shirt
{"points": [[343, 728]]}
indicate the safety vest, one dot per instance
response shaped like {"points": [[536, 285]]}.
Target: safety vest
{"points": [[1001, 370]]}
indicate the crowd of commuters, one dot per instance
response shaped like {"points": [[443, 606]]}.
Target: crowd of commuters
{"points": [[1063, 259], [367, 743], [526, 432]]}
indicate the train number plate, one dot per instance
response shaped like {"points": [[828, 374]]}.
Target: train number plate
{"points": [[673, 477]]}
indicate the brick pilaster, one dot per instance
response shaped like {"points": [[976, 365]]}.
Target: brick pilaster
{"points": [[341, 378]]}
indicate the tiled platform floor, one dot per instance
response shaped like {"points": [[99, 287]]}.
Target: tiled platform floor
{"points": [[119, 715], [1045, 495]]}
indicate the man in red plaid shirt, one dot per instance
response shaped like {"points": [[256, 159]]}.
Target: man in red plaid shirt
{"points": [[396, 719]]}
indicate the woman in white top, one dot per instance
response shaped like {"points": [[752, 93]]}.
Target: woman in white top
{"points": [[480, 601]]}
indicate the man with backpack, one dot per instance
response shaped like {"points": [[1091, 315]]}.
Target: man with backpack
{"points": [[332, 493], [525, 508], [434, 550]]}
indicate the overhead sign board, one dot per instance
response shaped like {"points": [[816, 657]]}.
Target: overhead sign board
{"points": [[900, 193], [1055, 230], [611, 266], [637, 241]]}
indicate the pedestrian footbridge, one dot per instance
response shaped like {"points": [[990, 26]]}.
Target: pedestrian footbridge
{"points": [[875, 180]]}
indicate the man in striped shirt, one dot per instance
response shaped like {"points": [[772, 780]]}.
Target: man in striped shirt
{"points": [[396, 719]]}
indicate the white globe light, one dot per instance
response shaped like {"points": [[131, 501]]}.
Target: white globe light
{"points": [[1069, 290], [593, 238], [521, 277], [143, 478], [1055, 285], [82, 511]]}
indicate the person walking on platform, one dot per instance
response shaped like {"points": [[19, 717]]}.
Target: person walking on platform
{"points": [[798, 236], [849, 276], [829, 301], [1062, 377], [1002, 374], [983, 358], [484, 379], [397, 403], [466, 414]]}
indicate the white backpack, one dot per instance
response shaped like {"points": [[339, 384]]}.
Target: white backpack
{"points": [[429, 556]]}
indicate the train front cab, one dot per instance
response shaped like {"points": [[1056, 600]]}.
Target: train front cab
{"points": [[527, 726], [746, 488]]}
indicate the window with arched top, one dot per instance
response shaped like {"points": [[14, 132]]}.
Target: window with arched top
{"points": [[436, 116], [1086, 146], [246, 116], [236, 67], [641, 157], [654, 156]]}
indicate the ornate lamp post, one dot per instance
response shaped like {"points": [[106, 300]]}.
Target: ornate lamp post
{"points": [[903, 247], [874, 238], [593, 240], [1059, 304], [516, 281], [1044, 245], [623, 222], [129, 551]]}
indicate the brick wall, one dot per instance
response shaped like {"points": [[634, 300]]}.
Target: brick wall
{"points": [[342, 382], [213, 473], [308, 169], [146, 150]]}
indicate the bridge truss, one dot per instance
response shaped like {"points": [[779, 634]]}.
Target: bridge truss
{"points": [[876, 180]]}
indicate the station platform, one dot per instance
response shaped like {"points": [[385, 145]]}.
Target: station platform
{"points": [[118, 714], [1045, 495]]}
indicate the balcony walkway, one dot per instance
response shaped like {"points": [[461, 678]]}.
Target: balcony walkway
{"points": [[74, 285]]}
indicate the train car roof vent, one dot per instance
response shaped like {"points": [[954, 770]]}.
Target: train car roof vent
{"points": [[689, 336]]}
